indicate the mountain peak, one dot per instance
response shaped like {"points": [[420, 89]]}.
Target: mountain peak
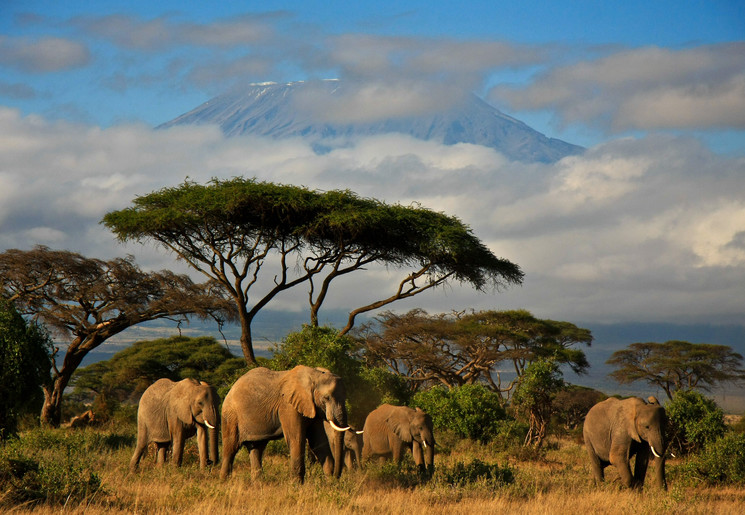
{"points": [[306, 108]]}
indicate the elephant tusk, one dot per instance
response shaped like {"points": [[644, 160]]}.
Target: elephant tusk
{"points": [[359, 432], [209, 425], [424, 442], [654, 452], [337, 428]]}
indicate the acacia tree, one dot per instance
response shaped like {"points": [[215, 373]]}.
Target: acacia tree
{"points": [[457, 349], [677, 365], [90, 300], [231, 230]]}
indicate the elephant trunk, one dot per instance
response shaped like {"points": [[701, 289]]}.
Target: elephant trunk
{"points": [[337, 418], [213, 441]]}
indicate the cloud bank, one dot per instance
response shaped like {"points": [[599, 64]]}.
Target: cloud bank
{"points": [[638, 229]]}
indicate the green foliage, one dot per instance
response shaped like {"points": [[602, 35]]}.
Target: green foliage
{"points": [[722, 461], [25, 362], [695, 421], [471, 411], [533, 397], [491, 475], [129, 372], [30, 474]]}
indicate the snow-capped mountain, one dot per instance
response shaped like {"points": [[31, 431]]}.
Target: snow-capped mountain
{"points": [[272, 109]]}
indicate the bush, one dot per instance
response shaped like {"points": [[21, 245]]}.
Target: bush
{"points": [[478, 472], [722, 461], [471, 411], [695, 420], [29, 473]]}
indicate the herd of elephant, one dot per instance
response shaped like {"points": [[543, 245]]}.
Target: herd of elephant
{"points": [[308, 406]]}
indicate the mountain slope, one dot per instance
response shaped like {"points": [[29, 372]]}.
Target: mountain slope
{"points": [[271, 109]]}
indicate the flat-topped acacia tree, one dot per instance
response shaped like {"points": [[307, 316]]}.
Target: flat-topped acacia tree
{"points": [[231, 230]]}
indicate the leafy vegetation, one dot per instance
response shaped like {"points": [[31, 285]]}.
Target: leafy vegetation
{"points": [[470, 411], [722, 461], [695, 421], [534, 396], [25, 352]]}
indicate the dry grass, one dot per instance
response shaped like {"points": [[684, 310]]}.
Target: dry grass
{"points": [[558, 482]]}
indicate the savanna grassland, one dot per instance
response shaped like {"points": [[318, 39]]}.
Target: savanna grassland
{"points": [[86, 471]]}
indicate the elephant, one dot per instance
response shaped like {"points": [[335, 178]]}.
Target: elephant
{"points": [[388, 429], [170, 412], [616, 430], [352, 454], [264, 405]]}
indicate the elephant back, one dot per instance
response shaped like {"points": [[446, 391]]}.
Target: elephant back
{"points": [[152, 411]]}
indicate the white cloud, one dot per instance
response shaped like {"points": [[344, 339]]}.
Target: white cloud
{"points": [[646, 88], [646, 229], [43, 55]]}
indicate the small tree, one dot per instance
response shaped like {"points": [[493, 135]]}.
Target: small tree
{"points": [[695, 421], [90, 300], [471, 411], [677, 365], [534, 396], [25, 351]]}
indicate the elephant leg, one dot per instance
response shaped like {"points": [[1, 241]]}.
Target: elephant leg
{"points": [[596, 466], [139, 450], [202, 446], [230, 446], [397, 450], [349, 460], [640, 468], [178, 447], [297, 455], [256, 455], [619, 458], [160, 453]]}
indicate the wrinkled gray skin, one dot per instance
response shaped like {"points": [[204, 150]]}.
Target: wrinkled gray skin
{"points": [[352, 445], [616, 430], [264, 405], [390, 429], [170, 412]]}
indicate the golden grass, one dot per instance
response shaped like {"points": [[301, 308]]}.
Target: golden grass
{"points": [[557, 483]]}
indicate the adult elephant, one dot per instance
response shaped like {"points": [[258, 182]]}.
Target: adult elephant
{"points": [[616, 430], [390, 429], [265, 404], [170, 412]]}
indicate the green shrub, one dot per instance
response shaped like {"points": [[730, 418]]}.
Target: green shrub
{"points": [[722, 461], [29, 473], [471, 411], [695, 420], [478, 472]]}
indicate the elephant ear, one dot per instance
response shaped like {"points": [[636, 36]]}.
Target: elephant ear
{"points": [[399, 423], [297, 390], [631, 419], [181, 400]]}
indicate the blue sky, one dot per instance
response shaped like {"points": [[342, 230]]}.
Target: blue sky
{"points": [[647, 226]]}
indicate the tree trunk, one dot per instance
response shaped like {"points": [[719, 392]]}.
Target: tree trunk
{"points": [[246, 340]]}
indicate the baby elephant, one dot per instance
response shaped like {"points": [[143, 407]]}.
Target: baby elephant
{"points": [[170, 412], [617, 430], [389, 429]]}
